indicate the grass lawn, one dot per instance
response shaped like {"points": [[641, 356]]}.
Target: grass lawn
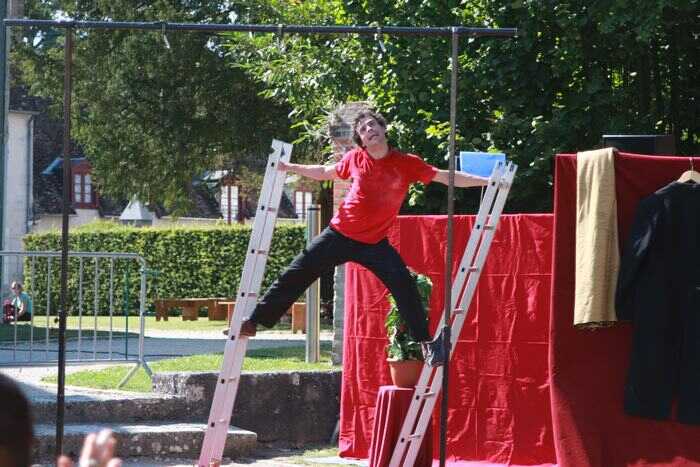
{"points": [[304, 456], [274, 359]]}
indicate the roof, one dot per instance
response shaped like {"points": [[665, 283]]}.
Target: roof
{"points": [[57, 163], [136, 211]]}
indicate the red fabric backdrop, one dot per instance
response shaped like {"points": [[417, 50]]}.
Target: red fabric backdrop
{"points": [[588, 367], [499, 397]]}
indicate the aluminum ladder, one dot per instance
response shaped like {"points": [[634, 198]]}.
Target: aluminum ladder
{"points": [[470, 267], [248, 289]]}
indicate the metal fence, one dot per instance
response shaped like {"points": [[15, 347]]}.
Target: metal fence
{"points": [[100, 291]]}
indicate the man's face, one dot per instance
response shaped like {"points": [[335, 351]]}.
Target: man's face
{"points": [[371, 132], [16, 290]]}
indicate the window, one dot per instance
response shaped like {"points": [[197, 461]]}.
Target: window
{"points": [[229, 203], [83, 191], [302, 201]]}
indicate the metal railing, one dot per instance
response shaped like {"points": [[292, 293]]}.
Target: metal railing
{"points": [[93, 288]]}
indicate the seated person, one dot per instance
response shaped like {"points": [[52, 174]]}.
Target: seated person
{"points": [[21, 305]]}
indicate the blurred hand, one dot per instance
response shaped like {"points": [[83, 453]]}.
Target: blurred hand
{"points": [[98, 451]]}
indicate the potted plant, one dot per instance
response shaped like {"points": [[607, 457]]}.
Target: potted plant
{"points": [[404, 353]]}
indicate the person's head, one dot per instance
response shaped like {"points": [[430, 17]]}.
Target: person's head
{"points": [[369, 128], [16, 287], [15, 425]]}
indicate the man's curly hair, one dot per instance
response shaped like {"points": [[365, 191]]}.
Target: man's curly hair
{"points": [[361, 116]]}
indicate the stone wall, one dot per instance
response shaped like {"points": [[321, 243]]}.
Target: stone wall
{"points": [[298, 407]]}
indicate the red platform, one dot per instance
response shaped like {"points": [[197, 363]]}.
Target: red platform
{"points": [[391, 409]]}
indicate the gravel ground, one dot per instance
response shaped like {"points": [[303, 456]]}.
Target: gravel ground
{"points": [[264, 456]]}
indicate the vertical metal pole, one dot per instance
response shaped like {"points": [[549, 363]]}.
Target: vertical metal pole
{"points": [[81, 275], [67, 91], [111, 306], [31, 327], [229, 189], [142, 318], [4, 108], [48, 305], [448, 255], [313, 293], [126, 310], [95, 305]]}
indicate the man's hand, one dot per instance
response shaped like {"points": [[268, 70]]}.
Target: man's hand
{"points": [[462, 179], [317, 172]]}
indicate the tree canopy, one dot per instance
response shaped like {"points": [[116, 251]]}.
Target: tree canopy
{"points": [[151, 118], [151, 111], [578, 70]]}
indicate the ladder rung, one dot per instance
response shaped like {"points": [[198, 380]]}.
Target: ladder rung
{"points": [[260, 252], [270, 209], [415, 436], [228, 379], [489, 227], [474, 269], [426, 395], [249, 294], [459, 311]]}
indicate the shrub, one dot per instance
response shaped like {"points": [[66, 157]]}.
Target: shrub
{"points": [[402, 345], [187, 261]]}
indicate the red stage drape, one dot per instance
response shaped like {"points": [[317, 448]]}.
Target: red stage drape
{"points": [[588, 367], [499, 396]]}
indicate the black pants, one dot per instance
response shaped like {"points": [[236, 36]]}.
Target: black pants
{"points": [[330, 249]]}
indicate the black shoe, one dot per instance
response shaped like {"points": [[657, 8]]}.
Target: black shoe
{"points": [[248, 329], [434, 352]]}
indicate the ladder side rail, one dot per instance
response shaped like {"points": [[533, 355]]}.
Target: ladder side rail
{"points": [[273, 200], [484, 249], [263, 225], [425, 385], [246, 298], [416, 437], [477, 230], [474, 239], [422, 406], [217, 427], [224, 396], [248, 289], [427, 375]]}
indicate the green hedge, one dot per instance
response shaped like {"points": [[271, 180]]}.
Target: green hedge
{"points": [[188, 262]]}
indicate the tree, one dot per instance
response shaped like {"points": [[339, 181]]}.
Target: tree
{"points": [[153, 111], [578, 70]]}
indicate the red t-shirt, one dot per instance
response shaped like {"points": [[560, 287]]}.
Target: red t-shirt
{"points": [[378, 189]]}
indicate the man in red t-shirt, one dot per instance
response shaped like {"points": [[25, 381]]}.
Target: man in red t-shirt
{"points": [[380, 176]]}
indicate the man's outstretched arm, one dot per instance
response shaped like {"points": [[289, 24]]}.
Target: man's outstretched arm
{"points": [[317, 172], [462, 180]]}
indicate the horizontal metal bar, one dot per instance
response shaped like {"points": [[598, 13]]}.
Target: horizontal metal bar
{"points": [[75, 254], [271, 28], [52, 363]]}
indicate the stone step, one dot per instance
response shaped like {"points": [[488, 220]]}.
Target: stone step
{"points": [[182, 440], [123, 408]]}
